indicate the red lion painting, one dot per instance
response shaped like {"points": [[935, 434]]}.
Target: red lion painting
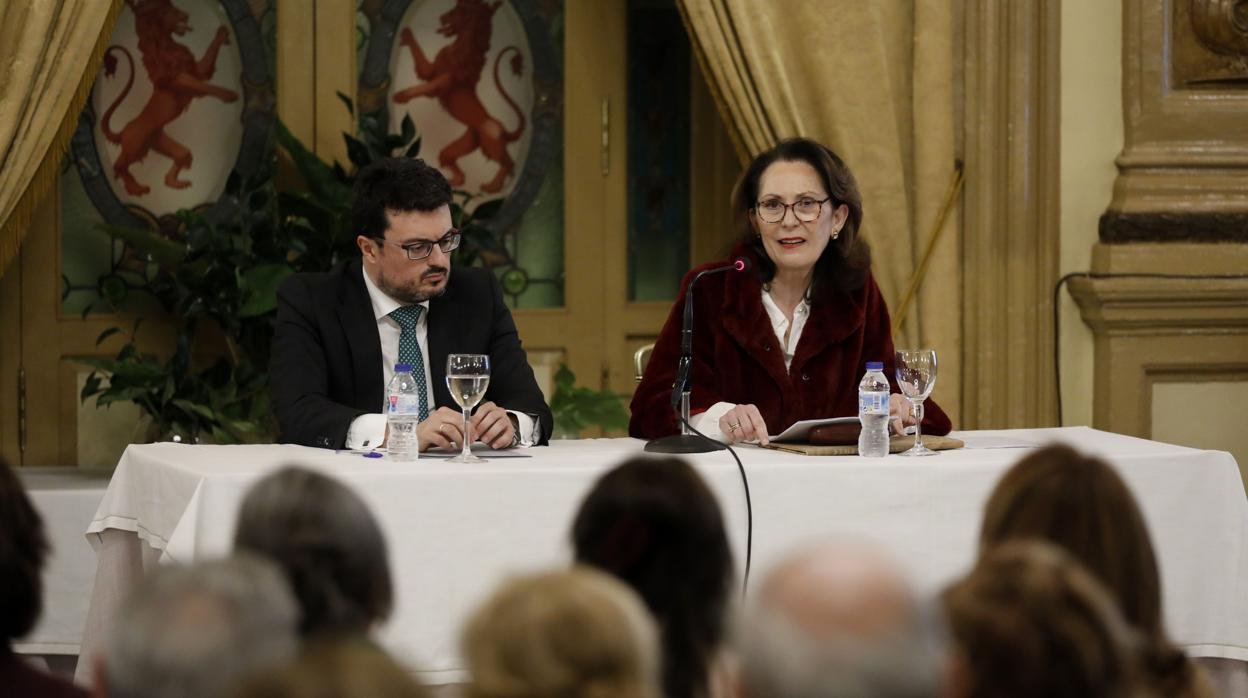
{"points": [[177, 79], [452, 79]]}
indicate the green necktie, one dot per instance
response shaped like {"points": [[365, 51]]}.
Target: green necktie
{"points": [[409, 350]]}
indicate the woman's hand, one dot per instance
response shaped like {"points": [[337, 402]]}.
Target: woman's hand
{"points": [[744, 423], [899, 413]]}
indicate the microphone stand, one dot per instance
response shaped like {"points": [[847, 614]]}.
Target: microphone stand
{"points": [[687, 441]]}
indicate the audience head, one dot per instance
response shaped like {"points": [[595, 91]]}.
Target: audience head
{"points": [[655, 524], [327, 542], [570, 633], [336, 669], [1031, 622], [844, 261], [23, 549], [195, 631], [1081, 504], [838, 620]]}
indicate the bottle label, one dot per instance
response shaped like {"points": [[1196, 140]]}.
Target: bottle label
{"points": [[403, 405], [872, 402]]}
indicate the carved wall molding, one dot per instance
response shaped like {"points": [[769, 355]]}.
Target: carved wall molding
{"points": [[1119, 227], [1221, 25], [1150, 331], [1185, 99]]}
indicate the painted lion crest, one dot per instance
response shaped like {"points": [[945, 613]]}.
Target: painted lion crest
{"points": [[452, 77], [177, 79]]}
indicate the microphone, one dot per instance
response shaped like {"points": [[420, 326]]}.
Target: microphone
{"points": [[686, 328], [686, 442]]}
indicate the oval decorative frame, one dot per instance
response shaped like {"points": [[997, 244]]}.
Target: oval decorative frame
{"points": [[547, 80], [259, 103]]}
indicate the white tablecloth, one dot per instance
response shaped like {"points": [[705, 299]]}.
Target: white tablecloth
{"points": [[455, 530], [67, 500]]}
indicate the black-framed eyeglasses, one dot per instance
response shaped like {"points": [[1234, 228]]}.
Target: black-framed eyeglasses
{"points": [[423, 248], [805, 209]]}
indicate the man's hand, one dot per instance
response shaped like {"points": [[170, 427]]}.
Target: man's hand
{"points": [[492, 425], [444, 428]]}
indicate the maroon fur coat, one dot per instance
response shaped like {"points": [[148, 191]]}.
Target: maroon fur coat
{"points": [[737, 358]]}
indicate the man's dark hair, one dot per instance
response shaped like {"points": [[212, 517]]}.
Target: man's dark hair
{"points": [[654, 524], [395, 184], [323, 536], [23, 549]]}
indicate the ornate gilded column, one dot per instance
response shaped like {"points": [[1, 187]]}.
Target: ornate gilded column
{"points": [[1179, 209]]}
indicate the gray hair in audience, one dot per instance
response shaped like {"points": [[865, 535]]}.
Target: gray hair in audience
{"points": [[839, 620], [323, 536], [780, 660], [192, 632]]}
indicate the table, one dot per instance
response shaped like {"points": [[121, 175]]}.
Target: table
{"points": [[66, 499], [454, 531]]}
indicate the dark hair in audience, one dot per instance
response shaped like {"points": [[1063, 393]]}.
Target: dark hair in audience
{"points": [[327, 542], [336, 669], [23, 549], [395, 184], [1032, 623], [656, 525], [846, 262], [1080, 503]]}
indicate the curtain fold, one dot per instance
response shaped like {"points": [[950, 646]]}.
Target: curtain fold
{"points": [[875, 81], [49, 54]]}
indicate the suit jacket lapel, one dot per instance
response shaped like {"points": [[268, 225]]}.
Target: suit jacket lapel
{"points": [[355, 313]]}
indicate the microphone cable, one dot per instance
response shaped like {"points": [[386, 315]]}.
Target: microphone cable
{"points": [[1057, 326], [749, 506]]}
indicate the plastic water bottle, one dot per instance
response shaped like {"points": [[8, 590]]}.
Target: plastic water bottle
{"points": [[873, 412], [402, 414]]}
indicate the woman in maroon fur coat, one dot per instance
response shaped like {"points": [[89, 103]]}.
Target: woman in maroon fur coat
{"points": [[788, 339]]}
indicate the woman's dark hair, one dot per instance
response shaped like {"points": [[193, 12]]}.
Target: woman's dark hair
{"points": [[323, 537], [23, 549], [846, 261], [1032, 623], [1081, 504], [395, 184], [654, 524]]}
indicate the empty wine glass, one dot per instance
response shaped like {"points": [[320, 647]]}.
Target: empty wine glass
{"points": [[916, 374], [467, 377]]}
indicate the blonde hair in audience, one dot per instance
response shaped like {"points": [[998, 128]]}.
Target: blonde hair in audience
{"points": [[330, 668], [575, 632]]}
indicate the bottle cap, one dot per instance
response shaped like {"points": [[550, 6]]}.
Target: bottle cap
{"points": [[402, 368], [875, 365]]}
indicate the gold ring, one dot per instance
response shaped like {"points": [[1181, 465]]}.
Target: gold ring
{"points": [[734, 427]]}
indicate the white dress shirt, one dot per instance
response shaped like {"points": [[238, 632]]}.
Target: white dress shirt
{"points": [[368, 430], [708, 421]]}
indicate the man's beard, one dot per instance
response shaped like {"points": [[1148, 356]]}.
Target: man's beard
{"points": [[411, 293]]}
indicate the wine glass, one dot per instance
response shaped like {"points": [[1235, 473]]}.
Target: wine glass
{"points": [[467, 377], [916, 374]]}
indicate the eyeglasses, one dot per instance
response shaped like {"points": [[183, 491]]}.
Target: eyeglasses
{"points": [[423, 248], [805, 209]]}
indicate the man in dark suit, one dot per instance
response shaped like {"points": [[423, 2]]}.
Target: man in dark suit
{"points": [[339, 334]]}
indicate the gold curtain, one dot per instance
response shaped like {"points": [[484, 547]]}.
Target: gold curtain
{"points": [[875, 81], [49, 53]]}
